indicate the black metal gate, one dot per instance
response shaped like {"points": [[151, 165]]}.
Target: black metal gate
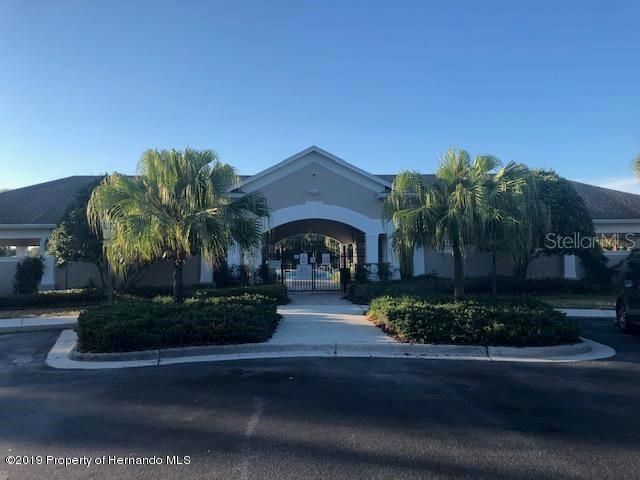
{"points": [[311, 277]]}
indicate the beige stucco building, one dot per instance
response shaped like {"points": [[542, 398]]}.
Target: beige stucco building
{"points": [[312, 191]]}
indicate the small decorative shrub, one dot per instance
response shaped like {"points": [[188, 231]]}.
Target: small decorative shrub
{"points": [[144, 291], [277, 292], [51, 298], [239, 275], [362, 273], [432, 284], [345, 276], [163, 299], [221, 274], [145, 325], [384, 271], [28, 275], [495, 321], [426, 285]]}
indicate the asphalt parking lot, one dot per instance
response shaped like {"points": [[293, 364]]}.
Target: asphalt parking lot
{"points": [[325, 418]]}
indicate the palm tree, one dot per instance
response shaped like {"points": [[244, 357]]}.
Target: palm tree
{"points": [[176, 206], [636, 166], [511, 209], [467, 201]]}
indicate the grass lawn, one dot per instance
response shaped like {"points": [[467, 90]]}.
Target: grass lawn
{"points": [[571, 300], [580, 300], [41, 312]]}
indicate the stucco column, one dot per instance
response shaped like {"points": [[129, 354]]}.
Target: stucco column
{"points": [[418, 261], [48, 277], [233, 255], [253, 257], [570, 270], [206, 271], [394, 261], [371, 249], [392, 255]]}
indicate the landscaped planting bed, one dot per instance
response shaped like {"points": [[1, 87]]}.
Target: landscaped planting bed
{"points": [[140, 325], [277, 291], [473, 321], [427, 285], [81, 297], [71, 297]]}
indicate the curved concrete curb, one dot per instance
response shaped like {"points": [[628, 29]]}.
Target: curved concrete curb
{"points": [[588, 312], [63, 354], [36, 324], [577, 352]]}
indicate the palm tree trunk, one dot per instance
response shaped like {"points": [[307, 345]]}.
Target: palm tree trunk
{"points": [[458, 272], [494, 279], [101, 271], [520, 268], [178, 285], [406, 262]]}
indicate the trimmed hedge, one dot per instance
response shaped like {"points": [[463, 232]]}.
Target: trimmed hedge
{"points": [[363, 293], [429, 285], [277, 292], [500, 321], [142, 325], [87, 296], [80, 296]]}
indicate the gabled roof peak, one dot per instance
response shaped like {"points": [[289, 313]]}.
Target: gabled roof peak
{"points": [[314, 149]]}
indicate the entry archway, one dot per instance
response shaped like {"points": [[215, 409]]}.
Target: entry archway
{"points": [[313, 254], [371, 228]]}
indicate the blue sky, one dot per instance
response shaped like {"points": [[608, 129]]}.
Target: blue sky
{"points": [[87, 86]]}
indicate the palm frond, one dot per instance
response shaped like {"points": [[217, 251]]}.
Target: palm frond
{"points": [[177, 205]]}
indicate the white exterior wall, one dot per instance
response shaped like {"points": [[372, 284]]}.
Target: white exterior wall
{"points": [[478, 264], [23, 237], [7, 272], [317, 185], [419, 261]]}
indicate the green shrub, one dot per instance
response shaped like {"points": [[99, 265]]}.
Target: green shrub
{"points": [[384, 271], [535, 286], [361, 274], [28, 275], [149, 325], [152, 291], [53, 298], [427, 285], [430, 284], [221, 274], [276, 291], [499, 321], [163, 299]]}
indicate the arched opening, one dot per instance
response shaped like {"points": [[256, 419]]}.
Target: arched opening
{"points": [[315, 245], [309, 254]]}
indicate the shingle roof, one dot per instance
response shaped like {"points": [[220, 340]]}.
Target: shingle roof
{"points": [[606, 203], [602, 203], [45, 203]]}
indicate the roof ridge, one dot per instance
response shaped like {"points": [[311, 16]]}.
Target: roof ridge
{"points": [[48, 182]]}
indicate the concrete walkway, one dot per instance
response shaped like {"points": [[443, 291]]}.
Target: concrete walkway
{"points": [[325, 318], [309, 318], [319, 325], [588, 312], [34, 324]]}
